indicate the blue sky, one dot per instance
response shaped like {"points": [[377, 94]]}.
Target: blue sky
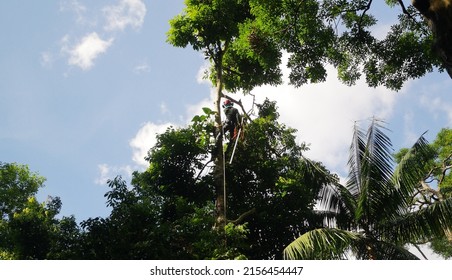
{"points": [[85, 85]]}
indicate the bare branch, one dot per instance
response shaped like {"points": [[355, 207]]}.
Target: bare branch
{"points": [[242, 217], [405, 11], [428, 189], [202, 169]]}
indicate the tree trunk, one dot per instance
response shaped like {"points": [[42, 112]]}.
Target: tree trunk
{"points": [[219, 163], [439, 17]]}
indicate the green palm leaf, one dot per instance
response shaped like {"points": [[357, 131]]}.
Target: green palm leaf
{"points": [[410, 172], [375, 171], [324, 243], [357, 148], [376, 249], [340, 204], [421, 225]]}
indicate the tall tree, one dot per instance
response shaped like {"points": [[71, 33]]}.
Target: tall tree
{"points": [[314, 34], [168, 211], [244, 41], [241, 57], [371, 215]]}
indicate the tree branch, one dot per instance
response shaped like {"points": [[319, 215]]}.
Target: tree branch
{"points": [[242, 217], [202, 169], [405, 11]]}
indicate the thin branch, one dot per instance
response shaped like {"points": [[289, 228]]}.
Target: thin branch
{"points": [[367, 8], [251, 111], [202, 169], [428, 189], [445, 168], [242, 217], [405, 11]]}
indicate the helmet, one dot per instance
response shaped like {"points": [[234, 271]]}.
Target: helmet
{"points": [[227, 103]]}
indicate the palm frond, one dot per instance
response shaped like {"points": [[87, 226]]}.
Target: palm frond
{"points": [[333, 197], [374, 249], [379, 152], [357, 150], [410, 171], [338, 199], [324, 243], [375, 170], [421, 225]]}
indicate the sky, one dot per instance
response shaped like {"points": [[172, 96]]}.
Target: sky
{"points": [[86, 85]]}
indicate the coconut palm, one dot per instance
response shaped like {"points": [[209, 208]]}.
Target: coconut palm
{"points": [[370, 215]]}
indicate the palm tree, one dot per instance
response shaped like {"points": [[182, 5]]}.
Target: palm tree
{"points": [[370, 216]]}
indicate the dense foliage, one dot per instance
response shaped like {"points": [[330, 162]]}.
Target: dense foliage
{"points": [[248, 39], [168, 211]]}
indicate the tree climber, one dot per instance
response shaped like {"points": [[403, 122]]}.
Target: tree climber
{"points": [[233, 119], [230, 126]]}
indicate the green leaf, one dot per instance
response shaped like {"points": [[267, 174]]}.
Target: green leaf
{"points": [[208, 111]]}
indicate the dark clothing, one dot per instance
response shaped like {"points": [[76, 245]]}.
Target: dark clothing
{"points": [[230, 126], [232, 121]]}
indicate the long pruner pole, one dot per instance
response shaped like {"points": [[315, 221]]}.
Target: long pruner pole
{"points": [[224, 174], [235, 145]]}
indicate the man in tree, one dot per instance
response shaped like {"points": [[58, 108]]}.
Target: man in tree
{"points": [[230, 126], [233, 119]]}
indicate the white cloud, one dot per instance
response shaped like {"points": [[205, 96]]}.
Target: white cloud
{"points": [[86, 51], [202, 73], [104, 173], [119, 16], [76, 7], [125, 13], [439, 108], [196, 109], [144, 140], [109, 172], [324, 114]]}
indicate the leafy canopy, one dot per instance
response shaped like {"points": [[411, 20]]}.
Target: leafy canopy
{"points": [[248, 39]]}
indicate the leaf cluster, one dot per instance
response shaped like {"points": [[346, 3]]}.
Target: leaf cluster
{"points": [[245, 41]]}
